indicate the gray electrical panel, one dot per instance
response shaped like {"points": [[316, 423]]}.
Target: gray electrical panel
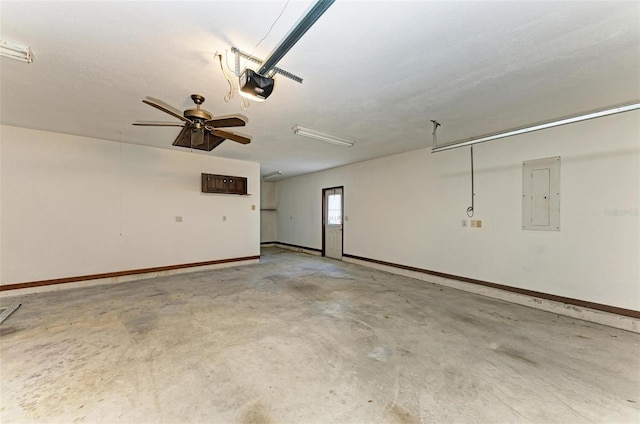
{"points": [[541, 194]]}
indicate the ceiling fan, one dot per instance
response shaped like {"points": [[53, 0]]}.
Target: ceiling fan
{"points": [[199, 129]]}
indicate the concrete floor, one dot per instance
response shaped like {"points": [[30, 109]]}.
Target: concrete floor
{"points": [[301, 339]]}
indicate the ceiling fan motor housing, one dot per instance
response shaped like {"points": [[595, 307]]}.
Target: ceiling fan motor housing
{"points": [[255, 86], [197, 114]]}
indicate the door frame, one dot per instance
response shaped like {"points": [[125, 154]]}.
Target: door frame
{"points": [[324, 217]]}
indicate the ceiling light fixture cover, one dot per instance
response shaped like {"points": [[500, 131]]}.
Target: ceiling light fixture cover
{"points": [[272, 174], [16, 51], [329, 138]]}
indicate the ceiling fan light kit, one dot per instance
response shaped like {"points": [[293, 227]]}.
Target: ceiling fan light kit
{"points": [[329, 138], [16, 51]]}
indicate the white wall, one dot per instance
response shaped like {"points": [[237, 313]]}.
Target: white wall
{"points": [[407, 209], [0, 206], [269, 202], [75, 206]]}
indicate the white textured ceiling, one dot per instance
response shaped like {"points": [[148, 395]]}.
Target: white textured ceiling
{"points": [[374, 72]]}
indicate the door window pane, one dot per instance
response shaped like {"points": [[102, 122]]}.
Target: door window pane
{"points": [[334, 209]]}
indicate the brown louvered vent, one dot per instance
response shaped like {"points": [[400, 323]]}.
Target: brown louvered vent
{"points": [[224, 184]]}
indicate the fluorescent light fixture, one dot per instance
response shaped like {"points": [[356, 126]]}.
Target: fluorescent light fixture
{"points": [[16, 51], [329, 138], [537, 127], [272, 174]]}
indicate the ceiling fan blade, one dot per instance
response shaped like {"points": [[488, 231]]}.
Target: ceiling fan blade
{"points": [[159, 104], [232, 136], [230, 121], [157, 124], [164, 105]]}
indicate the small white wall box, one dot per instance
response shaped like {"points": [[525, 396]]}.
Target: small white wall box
{"points": [[541, 194]]}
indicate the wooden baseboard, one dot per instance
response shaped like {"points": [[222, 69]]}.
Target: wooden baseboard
{"points": [[567, 300], [295, 246], [65, 280]]}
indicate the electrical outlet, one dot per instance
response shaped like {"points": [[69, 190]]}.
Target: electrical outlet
{"points": [[178, 219], [224, 218], [464, 223], [253, 207], [473, 223], [479, 223]]}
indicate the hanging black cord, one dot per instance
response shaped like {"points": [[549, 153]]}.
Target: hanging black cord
{"points": [[470, 208]]}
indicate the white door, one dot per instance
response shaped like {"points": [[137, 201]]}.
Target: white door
{"points": [[333, 222]]}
